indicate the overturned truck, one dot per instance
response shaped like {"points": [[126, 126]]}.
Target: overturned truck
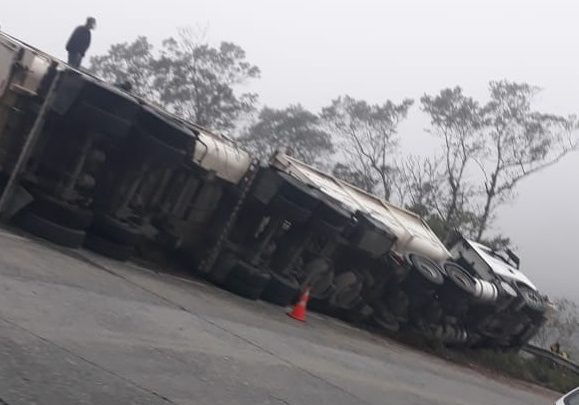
{"points": [[85, 164]]}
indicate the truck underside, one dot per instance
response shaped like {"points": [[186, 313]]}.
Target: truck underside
{"points": [[83, 163]]}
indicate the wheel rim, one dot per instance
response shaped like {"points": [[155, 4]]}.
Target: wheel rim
{"points": [[462, 280], [532, 299], [347, 296], [387, 321], [426, 268]]}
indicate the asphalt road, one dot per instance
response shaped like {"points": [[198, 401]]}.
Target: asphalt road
{"points": [[76, 328]]}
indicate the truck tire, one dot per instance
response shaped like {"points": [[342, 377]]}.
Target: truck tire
{"points": [[108, 248], [115, 230], [322, 286], [51, 231], [460, 284], [225, 263], [531, 299], [384, 319], [246, 281], [61, 212], [459, 281], [358, 315], [281, 290], [397, 302], [347, 291], [321, 290], [424, 273]]}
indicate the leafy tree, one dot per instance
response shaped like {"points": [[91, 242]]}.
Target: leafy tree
{"points": [[133, 62], [354, 177], [191, 78], [294, 130], [198, 81], [418, 184], [368, 136], [519, 142], [487, 150], [457, 120]]}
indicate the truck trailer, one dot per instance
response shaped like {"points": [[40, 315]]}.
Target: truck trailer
{"points": [[87, 164]]}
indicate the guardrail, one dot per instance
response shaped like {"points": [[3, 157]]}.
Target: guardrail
{"points": [[546, 354]]}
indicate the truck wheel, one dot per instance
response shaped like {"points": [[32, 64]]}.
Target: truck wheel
{"points": [[108, 248], [115, 230], [246, 281], [358, 315], [225, 263], [385, 319], [321, 292], [424, 272], [281, 290], [347, 291], [398, 303], [531, 299], [322, 285], [51, 231], [61, 212], [460, 282]]}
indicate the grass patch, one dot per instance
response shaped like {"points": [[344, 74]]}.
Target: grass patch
{"points": [[517, 365]]}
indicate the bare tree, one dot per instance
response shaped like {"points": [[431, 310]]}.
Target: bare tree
{"points": [[457, 121], [418, 184], [354, 177], [199, 81], [134, 62], [487, 150], [519, 142], [368, 135], [293, 128]]}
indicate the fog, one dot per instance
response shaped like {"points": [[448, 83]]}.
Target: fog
{"points": [[310, 52]]}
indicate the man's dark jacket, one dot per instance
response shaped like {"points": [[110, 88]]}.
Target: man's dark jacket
{"points": [[79, 40]]}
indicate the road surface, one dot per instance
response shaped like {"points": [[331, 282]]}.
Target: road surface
{"points": [[76, 328]]}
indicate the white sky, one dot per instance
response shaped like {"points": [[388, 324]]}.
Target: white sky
{"points": [[310, 51]]}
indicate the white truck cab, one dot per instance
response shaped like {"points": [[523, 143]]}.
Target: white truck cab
{"points": [[490, 264]]}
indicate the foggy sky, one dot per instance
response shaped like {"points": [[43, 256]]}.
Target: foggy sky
{"points": [[311, 51]]}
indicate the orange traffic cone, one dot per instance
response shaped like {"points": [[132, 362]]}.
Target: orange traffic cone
{"points": [[299, 311]]}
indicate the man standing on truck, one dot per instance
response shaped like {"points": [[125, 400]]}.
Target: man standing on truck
{"points": [[79, 42]]}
